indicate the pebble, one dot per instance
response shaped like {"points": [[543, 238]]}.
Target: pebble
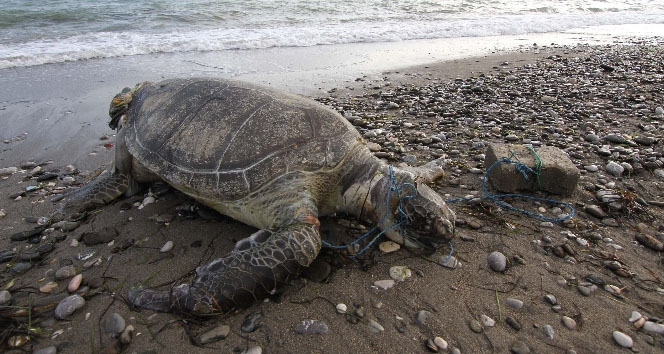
{"points": [[422, 316], [614, 169], [497, 261], [548, 331], [311, 327], [342, 308], [8, 171], [102, 236], [514, 303], [475, 326], [622, 339], [584, 290], [46, 350], [375, 327], [653, 327], [74, 283], [400, 273], [250, 322], [21, 267], [513, 323], [384, 284], [253, 350], [591, 168], [48, 287], [440, 343], [551, 299], [569, 322], [5, 297], [635, 316], [389, 246], [519, 347], [487, 321], [166, 247], [127, 335], [595, 211], [68, 306], [217, 333], [114, 323]]}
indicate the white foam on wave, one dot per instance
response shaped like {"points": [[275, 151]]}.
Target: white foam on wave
{"points": [[114, 44]]}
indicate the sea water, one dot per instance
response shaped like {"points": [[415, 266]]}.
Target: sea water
{"points": [[34, 32]]}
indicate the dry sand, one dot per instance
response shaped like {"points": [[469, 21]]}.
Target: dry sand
{"points": [[454, 297]]}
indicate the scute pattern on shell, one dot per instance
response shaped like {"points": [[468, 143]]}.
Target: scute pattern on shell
{"points": [[222, 139]]}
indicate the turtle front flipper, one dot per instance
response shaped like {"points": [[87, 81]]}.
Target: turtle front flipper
{"points": [[256, 268], [100, 191]]}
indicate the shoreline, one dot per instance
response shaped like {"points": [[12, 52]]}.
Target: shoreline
{"points": [[68, 108]]}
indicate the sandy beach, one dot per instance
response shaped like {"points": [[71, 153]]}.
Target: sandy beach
{"points": [[574, 97]]}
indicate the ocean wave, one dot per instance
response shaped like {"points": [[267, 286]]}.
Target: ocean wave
{"points": [[114, 44]]}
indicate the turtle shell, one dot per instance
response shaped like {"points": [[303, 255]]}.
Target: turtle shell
{"points": [[225, 139]]}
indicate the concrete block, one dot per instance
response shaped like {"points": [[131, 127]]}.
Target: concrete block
{"points": [[559, 175]]}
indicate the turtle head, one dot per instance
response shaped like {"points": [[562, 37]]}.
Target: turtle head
{"points": [[120, 104], [418, 216]]}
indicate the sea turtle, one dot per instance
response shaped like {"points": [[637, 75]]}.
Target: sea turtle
{"points": [[269, 159]]}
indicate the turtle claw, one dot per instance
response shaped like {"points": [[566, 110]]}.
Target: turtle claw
{"points": [[150, 299]]}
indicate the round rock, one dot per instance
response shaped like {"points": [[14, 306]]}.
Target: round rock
{"points": [[47, 350], [68, 306], [114, 323], [514, 303], [519, 347], [215, 334], [622, 339], [5, 297], [497, 261]]}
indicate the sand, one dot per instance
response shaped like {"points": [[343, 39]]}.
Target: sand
{"points": [[65, 119]]}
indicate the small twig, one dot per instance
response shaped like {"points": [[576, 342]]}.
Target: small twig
{"points": [[500, 312]]}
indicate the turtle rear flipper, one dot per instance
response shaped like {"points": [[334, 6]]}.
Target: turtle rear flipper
{"points": [[256, 268]]}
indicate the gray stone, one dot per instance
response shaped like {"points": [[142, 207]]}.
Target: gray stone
{"points": [[497, 261], [410, 159], [548, 331], [68, 306], [20, 268], [253, 350], [592, 138], [615, 138], [551, 299], [475, 326], [114, 323], [614, 169], [449, 262], [217, 333], [514, 303], [622, 339], [591, 168], [659, 110], [375, 327], [47, 350], [65, 272], [311, 327], [595, 211], [5, 297], [568, 322], [558, 175], [422, 316], [519, 347]]}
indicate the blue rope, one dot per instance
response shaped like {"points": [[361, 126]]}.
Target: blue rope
{"points": [[403, 217], [524, 170]]}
